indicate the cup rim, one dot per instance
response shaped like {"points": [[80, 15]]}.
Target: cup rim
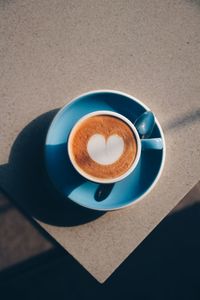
{"points": [[103, 180]]}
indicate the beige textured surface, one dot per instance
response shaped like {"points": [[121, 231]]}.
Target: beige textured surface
{"points": [[191, 198], [52, 51]]}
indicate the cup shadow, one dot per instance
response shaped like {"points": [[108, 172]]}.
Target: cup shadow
{"points": [[25, 180], [103, 191]]}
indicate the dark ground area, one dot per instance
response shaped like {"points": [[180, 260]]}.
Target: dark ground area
{"points": [[165, 266]]}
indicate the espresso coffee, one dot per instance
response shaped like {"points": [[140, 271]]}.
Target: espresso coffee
{"points": [[103, 146]]}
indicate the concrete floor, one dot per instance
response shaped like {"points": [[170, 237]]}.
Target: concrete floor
{"points": [[164, 266], [20, 240]]}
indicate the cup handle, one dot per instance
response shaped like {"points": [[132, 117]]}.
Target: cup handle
{"points": [[152, 144]]}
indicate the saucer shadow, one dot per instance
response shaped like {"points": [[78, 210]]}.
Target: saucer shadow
{"points": [[25, 179]]}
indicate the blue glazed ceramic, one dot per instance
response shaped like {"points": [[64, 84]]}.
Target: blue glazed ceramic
{"points": [[87, 193]]}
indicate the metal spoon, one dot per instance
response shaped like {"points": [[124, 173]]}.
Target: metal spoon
{"points": [[145, 124]]}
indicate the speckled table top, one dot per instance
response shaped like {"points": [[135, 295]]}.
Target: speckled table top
{"points": [[52, 51]]}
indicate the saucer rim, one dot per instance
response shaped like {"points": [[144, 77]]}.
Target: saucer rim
{"points": [[92, 92]]}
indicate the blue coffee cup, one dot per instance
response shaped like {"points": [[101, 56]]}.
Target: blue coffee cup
{"points": [[145, 124]]}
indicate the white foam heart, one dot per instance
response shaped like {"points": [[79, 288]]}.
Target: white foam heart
{"points": [[105, 152]]}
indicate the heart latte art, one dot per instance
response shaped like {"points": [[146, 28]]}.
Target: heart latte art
{"points": [[103, 146], [105, 152]]}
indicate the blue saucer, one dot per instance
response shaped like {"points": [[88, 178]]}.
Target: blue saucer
{"points": [[86, 193]]}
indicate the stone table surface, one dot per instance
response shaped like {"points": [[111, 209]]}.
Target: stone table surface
{"points": [[52, 51]]}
